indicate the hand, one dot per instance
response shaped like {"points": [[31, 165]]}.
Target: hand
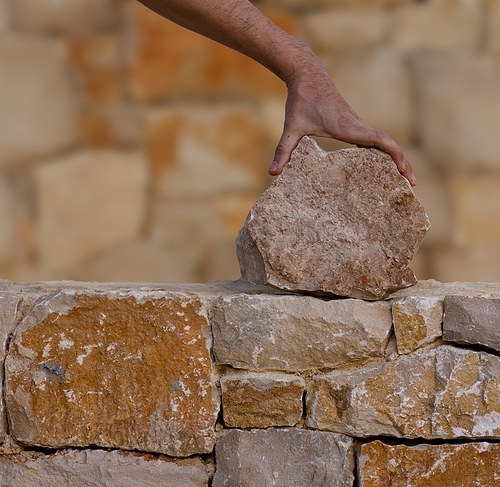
{"points": [[315, 107]]}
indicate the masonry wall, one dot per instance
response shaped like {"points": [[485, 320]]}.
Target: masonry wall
{"points": [[235, 385], [132, 150]]}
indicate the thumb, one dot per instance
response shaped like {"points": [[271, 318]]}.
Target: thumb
{"points": [[284, 149]]}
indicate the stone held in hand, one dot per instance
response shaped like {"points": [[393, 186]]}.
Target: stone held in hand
{"points": [[342, 223]]}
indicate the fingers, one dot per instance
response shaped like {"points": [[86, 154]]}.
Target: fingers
{"points": [[284, 149], [378, 138], [388, 145]]}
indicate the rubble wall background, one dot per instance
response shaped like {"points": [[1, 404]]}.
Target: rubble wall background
{"points": [[239, 385], [132, 150]]}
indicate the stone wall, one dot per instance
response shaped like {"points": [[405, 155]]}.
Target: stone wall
{"points": [[131, 149], [237, 385]]}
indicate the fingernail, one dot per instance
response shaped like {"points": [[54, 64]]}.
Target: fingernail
{"points": [[274, 166]]}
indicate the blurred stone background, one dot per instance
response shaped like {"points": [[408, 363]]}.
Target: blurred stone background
{"points": [[131, 149]]}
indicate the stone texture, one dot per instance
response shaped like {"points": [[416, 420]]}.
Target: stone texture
{"points": [[262, 400], [98, 468], [476, 209], [166, 61], [417, 322], [342, 223], [453, 91], [9, 303], [294, 333], [33, 73], [282, 458], [384, 99], [382, 465], [444, 25], [101, 204], [118, 369], [433, 288], [66, 16], [472, 321], [335, 29], [204, 151], [442, 393]]}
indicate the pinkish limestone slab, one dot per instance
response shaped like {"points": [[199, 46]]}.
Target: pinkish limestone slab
{"points": [[339, 223]]}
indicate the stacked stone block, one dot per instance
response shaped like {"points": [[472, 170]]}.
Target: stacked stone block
{"points": [[238, 385], [98, 82]]}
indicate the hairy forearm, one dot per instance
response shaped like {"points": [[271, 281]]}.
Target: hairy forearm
{"points": [[242, 27]]}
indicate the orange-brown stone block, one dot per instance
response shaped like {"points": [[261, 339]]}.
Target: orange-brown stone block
{"points": [[168, 61], [96, 62], [117, 369], [262, 400], [382, 465], [200, 151]]}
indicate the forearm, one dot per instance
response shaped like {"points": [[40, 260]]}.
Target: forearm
{"points": [[242, 27]]}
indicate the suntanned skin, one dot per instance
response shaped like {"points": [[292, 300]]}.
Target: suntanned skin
{"points": [[314, 106]]}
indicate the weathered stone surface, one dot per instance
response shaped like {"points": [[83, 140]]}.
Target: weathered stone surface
{"points": [[98, 468], [101, 204], [9, 303], [118, 369], [296, 333], [431, 287], [341, 223], [382, 465], [417, 322], [440, 393], [67, 16], [282, 458], [446, 127], [33, 73], [472, 320], [262, 400]]}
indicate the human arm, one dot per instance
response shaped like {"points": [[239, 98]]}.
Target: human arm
{"points": [[314, 106]]}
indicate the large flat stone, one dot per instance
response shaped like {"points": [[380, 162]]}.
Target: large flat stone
{"points": [[119, 369], [98, 468], [33, 73], [282, 458], [382, 465], [472, 321], [294, 333], [262, 400], [341, 223], [417, 321], [443, 393]]}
